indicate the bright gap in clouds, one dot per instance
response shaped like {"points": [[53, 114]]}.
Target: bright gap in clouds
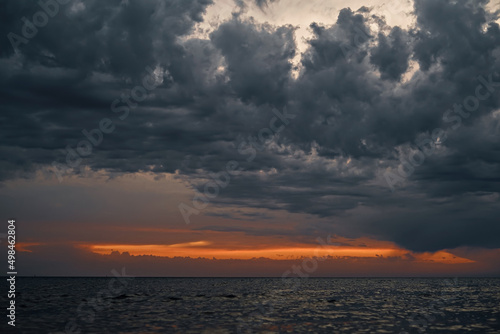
{"points": [[300, 14]]}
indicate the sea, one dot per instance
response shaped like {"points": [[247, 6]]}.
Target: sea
{"points": [[253, 305]]}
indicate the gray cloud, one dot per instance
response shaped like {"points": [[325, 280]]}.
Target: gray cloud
{"points": [[354, 112]]}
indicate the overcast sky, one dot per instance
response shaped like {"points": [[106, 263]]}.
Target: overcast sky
{"points": [[237, 129]]}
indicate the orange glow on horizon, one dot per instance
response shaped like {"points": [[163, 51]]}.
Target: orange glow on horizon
{"points": [[199, 249], [23, 246]]}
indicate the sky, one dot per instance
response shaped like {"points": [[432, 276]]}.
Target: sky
{"points": [[251, 138]]}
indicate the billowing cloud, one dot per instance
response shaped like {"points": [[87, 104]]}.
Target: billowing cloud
{"points": [[363, 101]]}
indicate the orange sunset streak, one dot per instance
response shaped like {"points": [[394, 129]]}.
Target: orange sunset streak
{"points": [[23, 246], [198, 249]]}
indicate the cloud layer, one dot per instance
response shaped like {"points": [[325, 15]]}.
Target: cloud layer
{"points": [[363, 97]]}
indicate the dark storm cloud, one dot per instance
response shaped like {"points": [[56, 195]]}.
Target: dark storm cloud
{"points": [[356, 110], [392, 53], [257, 60]]}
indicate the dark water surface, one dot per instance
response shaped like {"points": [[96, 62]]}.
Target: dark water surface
{"points": [[255, 305]]}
